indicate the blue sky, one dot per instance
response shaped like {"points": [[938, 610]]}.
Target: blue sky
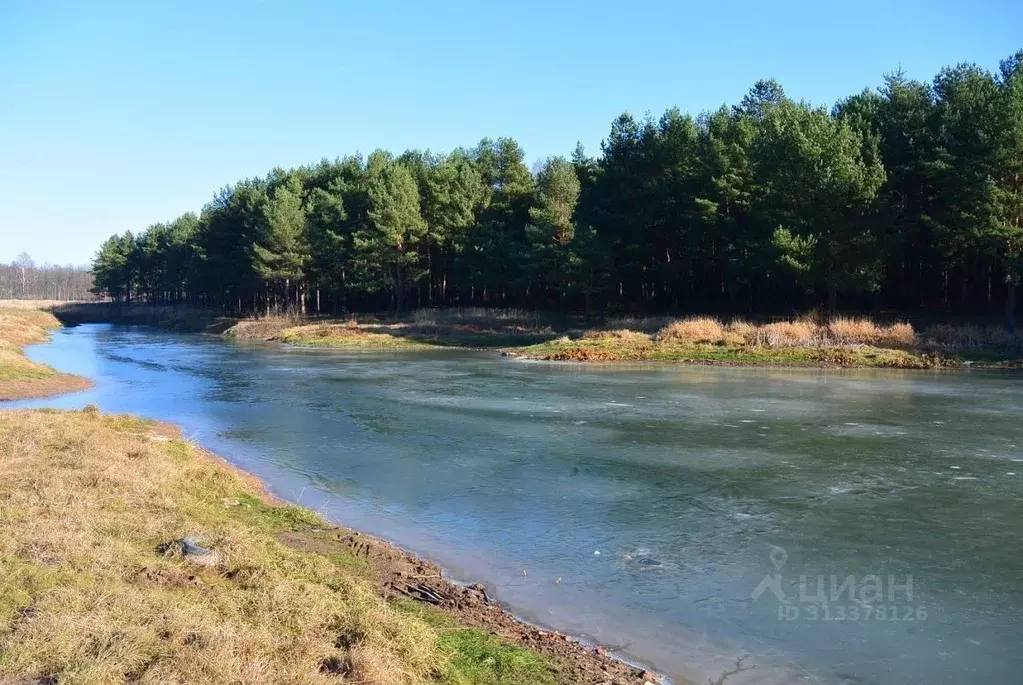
{"points": [[114, 115]]}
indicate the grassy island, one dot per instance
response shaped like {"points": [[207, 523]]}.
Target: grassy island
{"points": [[806, 341]]}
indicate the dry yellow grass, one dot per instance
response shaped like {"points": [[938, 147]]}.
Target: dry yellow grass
{"points": [[897, 335], [87, 595], [708, 330], [847, 330], [34, 304], [701, 329], [20, 326], [859, 331], [739, 332], [262, 328], [801, 332], [798, 333]]}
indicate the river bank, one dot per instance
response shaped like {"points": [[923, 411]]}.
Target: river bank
{"points": [[808, 341], [683, 478], [100, 586], [132, 555], [20, 377]]}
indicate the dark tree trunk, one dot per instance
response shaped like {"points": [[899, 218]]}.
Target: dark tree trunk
{"points": [[1010, 308]]}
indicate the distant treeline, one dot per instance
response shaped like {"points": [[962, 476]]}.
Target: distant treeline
{"points": [[23, 280], [908, 198]]}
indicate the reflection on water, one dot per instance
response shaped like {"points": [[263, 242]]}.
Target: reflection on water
{"points": [[664, 497]]}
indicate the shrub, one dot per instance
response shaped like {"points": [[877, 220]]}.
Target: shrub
{"points": [[739, 332], [845, 330], [701, 329], [897, 335], [799, 333]]}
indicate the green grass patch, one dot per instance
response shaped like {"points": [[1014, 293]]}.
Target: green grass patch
{"points": [[21, 581], [25, 371], [345, 336], [478, 657], [273, 519], [121, 422], [475, 656], [177, 450]]}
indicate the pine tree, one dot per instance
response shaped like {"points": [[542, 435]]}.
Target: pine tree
{"points": [[551, 229], [281, 252], [909, 197], [330, 242], [453, 199], [395, 228], [823, 180], [1009, 178]]}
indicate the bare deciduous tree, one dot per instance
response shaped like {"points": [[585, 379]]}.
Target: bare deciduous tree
{"points": [[22, 279]]}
